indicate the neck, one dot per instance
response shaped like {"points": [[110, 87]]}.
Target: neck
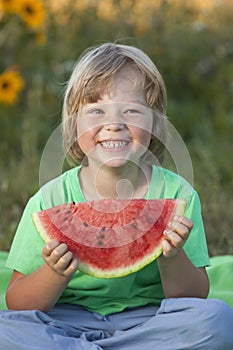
{"points": [[131, 181]]}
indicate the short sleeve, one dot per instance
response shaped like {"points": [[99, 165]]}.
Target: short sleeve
{"points": [[196, 245], [25, 254]]}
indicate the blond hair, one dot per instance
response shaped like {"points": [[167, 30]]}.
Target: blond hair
{"points": [[94, 70]]}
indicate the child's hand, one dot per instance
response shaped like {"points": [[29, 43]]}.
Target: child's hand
{"points": [[59, 258], [176, 235]]}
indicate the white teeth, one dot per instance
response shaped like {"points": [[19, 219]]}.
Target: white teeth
{"points": [[114, 144]]}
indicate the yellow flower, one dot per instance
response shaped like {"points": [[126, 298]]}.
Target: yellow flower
{"points": [[11, 83], [32, 12], [8, 5]]}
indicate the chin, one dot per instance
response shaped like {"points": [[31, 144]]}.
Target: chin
{"points": [[116, 163]]}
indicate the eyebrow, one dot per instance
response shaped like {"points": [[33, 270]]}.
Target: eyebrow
{"points": [[125, 102], [138, 102]]}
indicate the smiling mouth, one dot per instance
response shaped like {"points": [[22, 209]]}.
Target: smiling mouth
{"points": [[114, 144]]}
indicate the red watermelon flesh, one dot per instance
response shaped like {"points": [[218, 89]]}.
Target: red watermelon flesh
{"points": [[110, 238]]}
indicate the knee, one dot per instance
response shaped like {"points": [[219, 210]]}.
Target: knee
{"points": [[217, 311], [217, 318]]}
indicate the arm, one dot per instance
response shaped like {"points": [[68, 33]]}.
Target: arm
{"points": [[180, 278], [42, 288]]}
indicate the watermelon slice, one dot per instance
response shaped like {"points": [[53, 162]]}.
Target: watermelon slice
{"points": [[110, 238]]}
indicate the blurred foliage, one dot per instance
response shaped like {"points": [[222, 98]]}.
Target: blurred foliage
{"points": [[191, 42]]}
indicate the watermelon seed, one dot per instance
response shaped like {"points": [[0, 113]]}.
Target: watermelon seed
{"points": [[100, 243], [103, 229], [102, 236], [73, 202], [133, 225], [85, 224]]}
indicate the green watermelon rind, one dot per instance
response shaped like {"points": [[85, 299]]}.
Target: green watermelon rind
{"points": [[120, 271], [93, 270], [40, 228]]}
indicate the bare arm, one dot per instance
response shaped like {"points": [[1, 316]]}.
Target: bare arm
{"points": [[42, 288], [180, 278]]}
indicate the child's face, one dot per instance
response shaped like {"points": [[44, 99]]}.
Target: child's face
{"points": [[117, 128]]}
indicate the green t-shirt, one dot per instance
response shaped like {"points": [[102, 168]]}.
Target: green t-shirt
{"points": [[115, 294]]}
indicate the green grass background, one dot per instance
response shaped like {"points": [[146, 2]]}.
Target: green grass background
{"points": [[193, 49]]}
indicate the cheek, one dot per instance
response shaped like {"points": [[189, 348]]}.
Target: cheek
{"points": [[86, 139], [142, 130], [142, 136]]}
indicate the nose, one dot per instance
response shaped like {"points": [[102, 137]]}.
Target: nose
{"points": [[114, 126], [114, 121]]}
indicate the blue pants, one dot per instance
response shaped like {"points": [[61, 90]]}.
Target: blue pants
{"points": [[179, 324]]}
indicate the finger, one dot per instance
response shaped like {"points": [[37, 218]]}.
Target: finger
{"points": [[183, 220], [67, 265], [70, 270], [182, 230], [49, 247], [168, 249], [64, 261], [57, 253], [174, 239]]}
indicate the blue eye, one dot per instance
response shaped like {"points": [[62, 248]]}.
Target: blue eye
{"points": [[97, 111], [131, 112]]}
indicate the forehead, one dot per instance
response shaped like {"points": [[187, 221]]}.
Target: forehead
{"points": [[127, 76], [125, 84], [126, 79]]}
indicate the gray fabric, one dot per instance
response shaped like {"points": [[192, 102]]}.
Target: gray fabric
{"points": [[179, 324]]}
